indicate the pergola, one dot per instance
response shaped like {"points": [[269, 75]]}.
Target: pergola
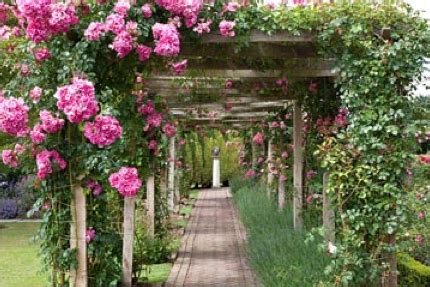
{"points": [[294, 56]]}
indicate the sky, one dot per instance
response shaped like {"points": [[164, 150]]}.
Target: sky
{"points": [[424, 6]]}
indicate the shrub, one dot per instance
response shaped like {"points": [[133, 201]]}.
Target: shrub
{"points": [[8, 208], [412, 272]]}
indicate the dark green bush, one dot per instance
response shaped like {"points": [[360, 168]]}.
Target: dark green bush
{"points": [[412, 272]]}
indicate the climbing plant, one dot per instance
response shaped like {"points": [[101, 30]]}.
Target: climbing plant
{"points": [[74, 98]]}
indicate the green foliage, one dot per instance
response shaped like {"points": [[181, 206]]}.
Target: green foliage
{"points": [[368, 161], [279, 254], [412, 272]]}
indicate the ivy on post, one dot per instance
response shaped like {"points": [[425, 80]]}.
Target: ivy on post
{"points": [[328, 212], [128, 237], [270, 166], [78, 229], [171, 175], [150, 205], [298, 166]]}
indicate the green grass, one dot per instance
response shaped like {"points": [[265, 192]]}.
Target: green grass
{"points": [[276, 252], [186, 210], [159, 273], [19, 264]]}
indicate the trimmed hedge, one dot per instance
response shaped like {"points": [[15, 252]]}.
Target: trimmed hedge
{"points": [[412, 272]]}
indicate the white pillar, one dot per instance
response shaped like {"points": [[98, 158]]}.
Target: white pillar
{"points": [[281, 193], [127, 247], [150, 205], [298, 166], [328, 212], [171, 175], [79, 276], [270, 176], [216, 172]]}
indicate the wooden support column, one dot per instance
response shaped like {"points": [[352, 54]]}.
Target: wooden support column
{"points": [[298, 166], [127, 247], [328, 212], [150, 205], [171, 175], [79, 276], [270, 176], [254, 154], [391, 258], [281, 194]]}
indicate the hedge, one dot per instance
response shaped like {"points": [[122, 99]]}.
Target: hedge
{"points": [[412, 272]]}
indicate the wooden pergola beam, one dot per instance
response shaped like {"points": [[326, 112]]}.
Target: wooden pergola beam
{"points": [[256, 36]]}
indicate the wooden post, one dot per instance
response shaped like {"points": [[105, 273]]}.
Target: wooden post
{"points": [[254, 154], [281, 193], [127, 247], [328, 212], [298, 166], [270, 165], [79, 276], [150, 205], [392, 262], [171, 175]]}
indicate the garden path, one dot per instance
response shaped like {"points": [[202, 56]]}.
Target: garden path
{"points": [[212, 251]]}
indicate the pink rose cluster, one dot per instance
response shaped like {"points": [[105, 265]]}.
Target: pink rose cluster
{"points": [[77, 100], [126, 181], [104, 131], [180, 67], [45, 18], [226, 28], [13, 116], [44, 161], [258, 138], [4, 10], [41, 54], [167, 40], [90, 235], [9, 157], [95, 187], [203, 27], [37, 135], [188, 9], [49, 123], [169, 130]]}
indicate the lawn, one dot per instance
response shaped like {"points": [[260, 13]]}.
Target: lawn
{"points": [[19, 265]]}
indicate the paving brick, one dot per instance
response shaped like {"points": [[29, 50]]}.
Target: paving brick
{"points": [[212, 251]]}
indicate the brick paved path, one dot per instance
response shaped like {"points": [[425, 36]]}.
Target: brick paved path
{"points": [[212, 252]]}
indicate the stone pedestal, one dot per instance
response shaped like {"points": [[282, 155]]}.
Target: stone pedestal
{"points": [[216, 168]]}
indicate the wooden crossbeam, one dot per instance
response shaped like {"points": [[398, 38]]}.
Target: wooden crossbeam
{"points": [[256, 36], [251, 51]]}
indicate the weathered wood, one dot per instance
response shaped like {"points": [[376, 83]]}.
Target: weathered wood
{"points": [[127, 247], [281, 194], [270, 165], [256, 36], [79, 276], [254, 154], [391, 280], [150, 205], [252, 51], [255, 74], [301, 64], [298, 166], [171, 175], [328, 212]]}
